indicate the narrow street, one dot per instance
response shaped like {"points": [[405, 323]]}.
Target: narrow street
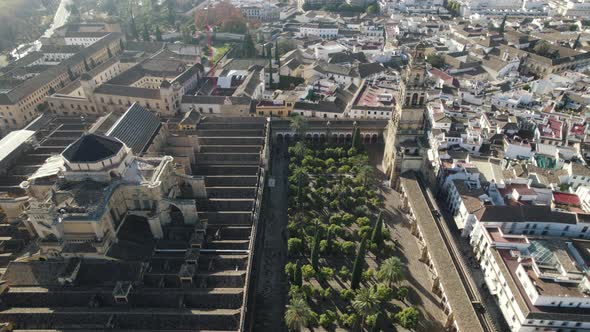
{"points": [[487, 299], [272, 287]]}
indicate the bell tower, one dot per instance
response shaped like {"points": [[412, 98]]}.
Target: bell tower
{"points": [[405, 131]]}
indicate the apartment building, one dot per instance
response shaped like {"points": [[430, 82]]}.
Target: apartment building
{"points": [[18, 105], [540, 283]]}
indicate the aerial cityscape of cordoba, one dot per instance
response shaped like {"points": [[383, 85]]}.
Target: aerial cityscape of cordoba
{"points": [[295, 165]]}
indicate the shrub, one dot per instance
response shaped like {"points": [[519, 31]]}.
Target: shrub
{"points": [[351, 320], [408, 318], [361, 201], [308, 291], [334, 204], [323, 246], [332, 170], [335, 219], [368, 274], [352, 152], [330, 162], [365, 231], [360, 211], [344, 169], [346, 181], [347, 247], [359, 191], [385, 293], [327, 319], [363, 221], [294, 291], [295, 246], [347, 219], [327, 293], [313, 321], [375, 202], [402, 293], [307, 272], [294, 229], [346, 294], [344, 273], [327, 273], [373, 247], [386, 233], [371, 320], [290, 270], [336, 230]]}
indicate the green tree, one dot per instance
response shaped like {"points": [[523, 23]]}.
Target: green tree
{"points": [[315, 249], [377, 236], [356, 138], [402, 293], [327, 318], [270, 79], [298, 124], [294, 246], [71, 75], [158, 33], [542, 48], [109, 7], [329, 236], [408, 318], [390, 271], [286, 45], [375, 325], [302, 178], [366, 175], [132, 27], [577, 42], [436, 61], [357, 268], [366, 302], [248, 48], [86, 66], [278, 62], [298, 314], [290, 271], [145, 34], [299, 150], [171, 13], [187, 37], [372, 9], [73, 9], [298, 278], [503, 25]]}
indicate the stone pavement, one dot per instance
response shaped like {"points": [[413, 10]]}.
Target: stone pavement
{"points": [[416, 274], [272, 288]]}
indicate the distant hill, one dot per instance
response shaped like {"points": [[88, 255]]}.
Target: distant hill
{"points": [[24, 20]]}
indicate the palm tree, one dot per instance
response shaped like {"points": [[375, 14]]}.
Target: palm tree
{"points": [[366, 302], [298, 124], [298, 314], [365, 174], [390, 271], [299, 150], [302, 178]]}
